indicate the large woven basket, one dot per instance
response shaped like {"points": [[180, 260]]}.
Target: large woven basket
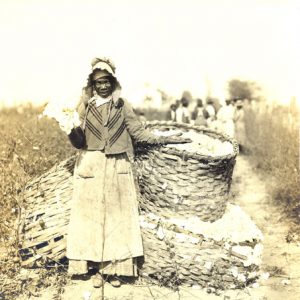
{"points": [[175, 255], [183, 184]]}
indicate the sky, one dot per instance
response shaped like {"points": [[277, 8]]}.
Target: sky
{"points": [[173, 45]]}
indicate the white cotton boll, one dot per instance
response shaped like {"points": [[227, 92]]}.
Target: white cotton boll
{"points": [[252, 275], [257, 254], [201, 143], [185, 256], [165, 133], [227, 246], [198, 259], [65, 115], [76, 119], [196, 287], [86, 295], [235, 226], [242, 250], [252, 256], [66, 124], [241, 278], [234, 272], [180, 237], [258, 249], [285, 282], [160, 233], [151, 225], [255, 285], [265, 276], [145, 224], [193, 240], [164, 186], [208, 265], [152, 216]]}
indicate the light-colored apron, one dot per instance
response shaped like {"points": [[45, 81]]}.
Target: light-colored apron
{"points": [[104, 224]]}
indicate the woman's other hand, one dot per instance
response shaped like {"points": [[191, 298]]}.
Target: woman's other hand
{"points": [[174, 140]]}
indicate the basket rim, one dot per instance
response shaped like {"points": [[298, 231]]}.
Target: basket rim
{"points": [[200, 129]]}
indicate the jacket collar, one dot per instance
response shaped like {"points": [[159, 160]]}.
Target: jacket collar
{"points": [[100, 101]]}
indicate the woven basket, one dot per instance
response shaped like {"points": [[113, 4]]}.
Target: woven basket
{"points": [[175, 256], [46, 215], [176, 183]]}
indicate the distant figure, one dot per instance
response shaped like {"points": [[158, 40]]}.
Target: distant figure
{"points": [[210, 111], [182, 112], [171, 114], [239, 124], [198, 114], [225, 118]]}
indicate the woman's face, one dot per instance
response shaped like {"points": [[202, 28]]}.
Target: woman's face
{"points": [[103, 87]]}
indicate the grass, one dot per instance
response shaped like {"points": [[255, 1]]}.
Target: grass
{"points": [[30, 146], [273, 142]]}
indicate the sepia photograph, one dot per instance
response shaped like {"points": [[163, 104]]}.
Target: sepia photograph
{"points": [[150, 149]]}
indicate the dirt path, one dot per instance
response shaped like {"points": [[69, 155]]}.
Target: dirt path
{"points": [[281, 259]]}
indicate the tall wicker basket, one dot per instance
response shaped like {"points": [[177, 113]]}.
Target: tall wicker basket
{"points": [[176, 183], [45, 217]]}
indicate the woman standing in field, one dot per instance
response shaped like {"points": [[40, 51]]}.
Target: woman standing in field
{"points": [[104, 226]]}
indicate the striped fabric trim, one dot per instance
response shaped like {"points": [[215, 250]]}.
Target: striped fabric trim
{"points": [[96, 114], [117, 134], [114, 119], [93, 129]]}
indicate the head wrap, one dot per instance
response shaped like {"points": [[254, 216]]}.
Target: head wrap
{"points": [[100, 74], [103, 63], [101, 66]]}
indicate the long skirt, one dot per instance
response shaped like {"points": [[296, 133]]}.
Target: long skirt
{"points": [[104, 225]]}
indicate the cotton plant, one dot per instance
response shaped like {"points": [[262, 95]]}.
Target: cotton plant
{"points": [[65, 114]]}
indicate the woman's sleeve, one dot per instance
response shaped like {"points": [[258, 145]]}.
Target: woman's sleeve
{"points": [[136, 128]]}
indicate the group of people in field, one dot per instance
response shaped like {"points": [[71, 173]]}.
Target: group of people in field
{"points": [[228, 119]]}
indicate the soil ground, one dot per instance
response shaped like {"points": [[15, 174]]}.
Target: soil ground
{"points": [[281, 258]]}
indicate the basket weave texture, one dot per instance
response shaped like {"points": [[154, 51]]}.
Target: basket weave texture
{"points": [[175, 183], [172, 184], [176, 256], [45, 218]]}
